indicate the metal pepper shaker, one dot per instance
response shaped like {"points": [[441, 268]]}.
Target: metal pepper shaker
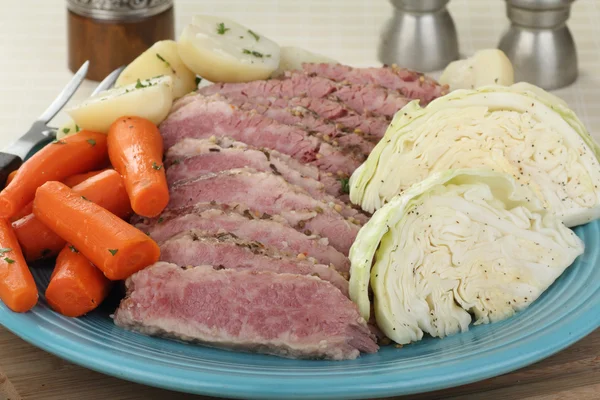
{"points": [[112, 33], [539, 43], [420, 35]]}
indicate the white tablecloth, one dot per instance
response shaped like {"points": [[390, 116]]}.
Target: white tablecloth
{"points": [[33, 44]]}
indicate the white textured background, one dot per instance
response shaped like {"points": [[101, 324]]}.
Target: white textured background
{"points": [[33, 44]]}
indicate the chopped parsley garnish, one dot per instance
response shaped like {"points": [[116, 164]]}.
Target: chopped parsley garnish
{"points": [[113, 251], [73, 249], [66, 130], [9, 260], [160, 219], [163, 60], [254, 35], [85, 198], [156, 166], [255, 53], [221, 28], [5, 250], [58, 142], [139, 84], [175, 162], [198, 80], [345, 185], [91, 141], [77, 129]]}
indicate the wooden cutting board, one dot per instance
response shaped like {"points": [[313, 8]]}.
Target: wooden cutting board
{"points": [[571, 374]]}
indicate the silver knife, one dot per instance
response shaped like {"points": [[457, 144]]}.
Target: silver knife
{"points": [[12, 156]]}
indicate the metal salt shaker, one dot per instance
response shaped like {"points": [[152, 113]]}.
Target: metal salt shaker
{"points": [[539, 43], [420, 35]]}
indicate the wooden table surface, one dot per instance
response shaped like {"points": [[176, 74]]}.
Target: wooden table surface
{"points": [[571, 374]]}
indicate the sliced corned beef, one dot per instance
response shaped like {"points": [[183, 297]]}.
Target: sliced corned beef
{"points": [[271, 231], [288, 315], [361, 98], [333, 110], [367, 99], [214, 158], [268, 193], [205, 117], [410, 83], [322, 128], [226, 250], [193, 147]]}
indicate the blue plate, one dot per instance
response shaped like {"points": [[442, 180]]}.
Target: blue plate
{"points": [[569, 310]]}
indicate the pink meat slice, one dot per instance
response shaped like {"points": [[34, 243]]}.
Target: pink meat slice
{"points": [[288, 315], [225, 250]]}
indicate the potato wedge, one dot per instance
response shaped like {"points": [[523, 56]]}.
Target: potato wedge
{"points": [[486, 67], [150, 99], [67, 129], [221, 50], [291, 58], [160, 59]]}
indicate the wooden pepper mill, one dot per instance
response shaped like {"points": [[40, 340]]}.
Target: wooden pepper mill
{"points": [[113, 33]]}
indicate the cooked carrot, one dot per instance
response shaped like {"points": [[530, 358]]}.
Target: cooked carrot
{"points": [[10, 177], [17, 287], [72, 155], [135, 149], [111, 244], [74, 180], [105, 189], [23, 212], [70, 181], [76, 286]]}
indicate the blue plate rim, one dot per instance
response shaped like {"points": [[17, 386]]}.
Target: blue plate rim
{"points": [[379, 384]]}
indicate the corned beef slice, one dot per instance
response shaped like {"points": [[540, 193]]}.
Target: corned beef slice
{"points": [[192, 147], [268, 193], [206, 117], [361, 98], [320, 127], [217, 159], [288, 315], [215, 219], [333, 110], [228, 251], [410, 83]]}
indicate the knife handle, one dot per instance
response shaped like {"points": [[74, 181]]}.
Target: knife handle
{"points": [[8, 164]]}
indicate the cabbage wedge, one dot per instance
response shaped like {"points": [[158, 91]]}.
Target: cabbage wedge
{"points": [[460, 245], [521, 130]]}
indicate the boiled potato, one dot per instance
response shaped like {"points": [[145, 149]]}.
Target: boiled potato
{"points": [[150, 99], [486, 67], [67, 129], [160, 59], [221, 50], [291, 58]]}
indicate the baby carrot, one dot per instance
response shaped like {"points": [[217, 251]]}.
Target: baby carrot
{"points": [[70, 181], [17, 287], [135, 149], [76, 286], [74, 180], [10, 177], [111, 244], [23, 212], [58, 160], [105, 189]]}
